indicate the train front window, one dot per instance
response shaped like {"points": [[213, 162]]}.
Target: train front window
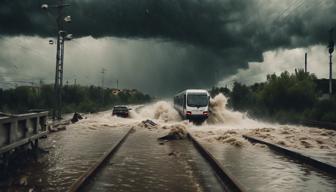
{"points": [[197, 100]]}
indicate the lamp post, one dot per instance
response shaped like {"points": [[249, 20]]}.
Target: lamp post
{"points": [[61, 37]]}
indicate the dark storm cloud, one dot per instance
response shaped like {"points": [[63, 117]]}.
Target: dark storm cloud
{"points": [[199, 22], [228, 33]]}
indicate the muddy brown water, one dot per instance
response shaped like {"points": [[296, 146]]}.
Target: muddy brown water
{"points": [[143, 164], [260, 169], [71, 152]]}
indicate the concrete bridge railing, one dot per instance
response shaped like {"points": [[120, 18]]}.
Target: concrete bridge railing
{"points": [[22, 129]]}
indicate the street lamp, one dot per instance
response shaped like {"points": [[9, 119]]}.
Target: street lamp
{"points": [[62, 36], [44, 6], [67, 19]]}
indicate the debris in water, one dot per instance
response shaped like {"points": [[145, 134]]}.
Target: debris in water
{"points": [[176, 132], [149, 124], [76, 117]]}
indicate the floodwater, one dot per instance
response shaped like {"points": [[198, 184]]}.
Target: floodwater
{"points": [[71, 152], [142, 164], [260, 169]]}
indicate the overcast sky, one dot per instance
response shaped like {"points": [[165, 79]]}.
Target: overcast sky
{"points": [[164, 46]]}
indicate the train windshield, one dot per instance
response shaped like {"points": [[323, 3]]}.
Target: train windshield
{"points": [[197, 100]]}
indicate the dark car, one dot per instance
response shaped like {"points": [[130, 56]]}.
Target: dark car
{"points": [[120, 111]]}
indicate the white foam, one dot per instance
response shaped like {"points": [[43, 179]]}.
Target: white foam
{"points": [[162, 111]]}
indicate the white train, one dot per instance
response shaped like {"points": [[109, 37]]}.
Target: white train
{"points": [[193, 104]]}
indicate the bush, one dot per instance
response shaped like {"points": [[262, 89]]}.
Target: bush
{"points": [[284, 98]]}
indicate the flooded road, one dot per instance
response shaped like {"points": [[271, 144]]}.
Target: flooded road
{"points": [[142, 164]]}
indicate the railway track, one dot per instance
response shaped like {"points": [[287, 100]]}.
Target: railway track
{"points": [[89, 181], [76, 186], [296, 155], [227, 181]]}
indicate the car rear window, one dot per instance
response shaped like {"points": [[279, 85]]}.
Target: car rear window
{"points": [[120, 108]]}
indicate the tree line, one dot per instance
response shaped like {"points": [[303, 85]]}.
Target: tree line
{"points": [[284, 98], [75, 98]]}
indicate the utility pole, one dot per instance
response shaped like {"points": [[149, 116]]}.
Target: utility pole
{"points": [[117, 84], [40, 87], [61, 37], [331, 50], [103, 73], [305, 63], [75, 82]]}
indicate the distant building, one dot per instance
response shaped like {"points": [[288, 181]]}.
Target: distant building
{"points": [[125, 91]]}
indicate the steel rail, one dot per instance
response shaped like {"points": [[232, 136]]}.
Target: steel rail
{"points": [[229, 183], [79, 183], [324, 166]]}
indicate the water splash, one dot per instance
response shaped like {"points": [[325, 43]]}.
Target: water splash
{"points": [[162, 111], [222, 116]]}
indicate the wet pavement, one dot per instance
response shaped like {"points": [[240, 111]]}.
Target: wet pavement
{"points": [[143, 164], [260, 169]]}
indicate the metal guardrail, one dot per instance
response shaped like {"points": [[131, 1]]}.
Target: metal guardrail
{"points": [[331, 169], [21, 129]]}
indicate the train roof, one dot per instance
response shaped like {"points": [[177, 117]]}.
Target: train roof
{"points": [[194, 91]]}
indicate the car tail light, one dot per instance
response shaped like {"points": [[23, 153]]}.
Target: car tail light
{"points": [[205, 113], [188, 113]]}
